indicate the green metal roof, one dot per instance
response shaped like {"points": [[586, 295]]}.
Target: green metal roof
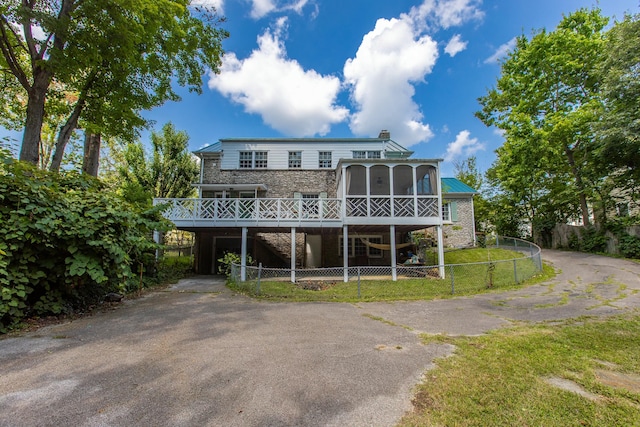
{"points": [[454, 185]]}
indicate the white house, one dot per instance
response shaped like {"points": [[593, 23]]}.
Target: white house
{"points": [[329, 201]]}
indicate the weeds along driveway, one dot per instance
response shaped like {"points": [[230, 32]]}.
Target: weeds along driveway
{"points": [[197, 354]]}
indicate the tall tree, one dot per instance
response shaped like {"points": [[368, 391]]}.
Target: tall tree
{"points": [[168, 171], [117, 56], [467, 172], [618, 130], [544, 102]]}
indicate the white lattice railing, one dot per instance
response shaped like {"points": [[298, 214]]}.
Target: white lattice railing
{"points": [[302, 210], [252, 209], [392, 206]]}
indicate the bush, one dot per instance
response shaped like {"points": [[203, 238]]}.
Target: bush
{"points": [[630, 246], [593, 240], [229, 259], [65, 241]]}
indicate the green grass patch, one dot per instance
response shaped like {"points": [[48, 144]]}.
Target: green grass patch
{"points": [[470, 278], [501, 379]]}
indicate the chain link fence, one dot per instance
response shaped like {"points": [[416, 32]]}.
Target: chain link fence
{"points": [[377, 281]]}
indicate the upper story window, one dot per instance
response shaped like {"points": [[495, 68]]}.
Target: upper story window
{"points": [[367, 155], [295, 159], [253, 160], [324, 159]]}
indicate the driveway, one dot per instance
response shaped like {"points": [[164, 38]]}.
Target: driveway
{"points": [[199, 355]]}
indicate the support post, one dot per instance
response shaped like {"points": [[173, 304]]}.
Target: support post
{"points": [[243, 256], [345, 252], [392, 240], [293, 255], [440, 251]]}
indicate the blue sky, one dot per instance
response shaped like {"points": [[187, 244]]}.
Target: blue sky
{"points": [[349, 68]]}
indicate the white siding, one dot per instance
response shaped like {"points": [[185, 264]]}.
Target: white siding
{"points": [[278, 152]]}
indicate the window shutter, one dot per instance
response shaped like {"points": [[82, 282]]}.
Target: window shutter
{"points": [[297, 195], [453, 206], [323, 195]]}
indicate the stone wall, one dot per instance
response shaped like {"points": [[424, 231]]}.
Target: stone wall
{"points": [[280, 183], [459, 233]]}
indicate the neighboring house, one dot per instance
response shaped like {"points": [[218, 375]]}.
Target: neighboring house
{"points": [[313, 202]]}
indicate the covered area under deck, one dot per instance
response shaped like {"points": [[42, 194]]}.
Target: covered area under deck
{"points": [[310, 247]]}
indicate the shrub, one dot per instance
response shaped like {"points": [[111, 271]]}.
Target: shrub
{"points": [[630, 246], [228, 259], [593, 240], [65, 241]]}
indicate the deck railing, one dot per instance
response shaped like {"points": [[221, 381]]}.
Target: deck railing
{"points": [[299, 210]]}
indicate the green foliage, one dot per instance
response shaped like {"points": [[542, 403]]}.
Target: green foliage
{"points": [[545, 102], [593, 240], [618, 130], [630, 246], [65, 241], [228, 259], [167, 172]]}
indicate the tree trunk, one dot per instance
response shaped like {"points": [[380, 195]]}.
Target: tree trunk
{"points": [[65, 135], [91, 154], [30, 150], [583, 198]]}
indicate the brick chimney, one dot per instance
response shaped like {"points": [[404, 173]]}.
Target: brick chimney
{"points": [[384, 134]]}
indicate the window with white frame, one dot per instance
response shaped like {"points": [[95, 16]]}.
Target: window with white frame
{"points": [[358, 247], [367, 154], [295, 159], [324, 159], [253, 160], [446, 212]]}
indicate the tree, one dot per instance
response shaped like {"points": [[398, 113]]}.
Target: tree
{"points": [[545, 101], [117, 56], [467, 172], [167, 172], [618, 130]]}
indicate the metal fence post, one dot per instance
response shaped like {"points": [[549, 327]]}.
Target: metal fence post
{"points": [[515, 270], [358, 282], [259, 275], [453, 289]]}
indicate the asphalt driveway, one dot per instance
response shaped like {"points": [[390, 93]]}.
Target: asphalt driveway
{"points": [[199, 355]]}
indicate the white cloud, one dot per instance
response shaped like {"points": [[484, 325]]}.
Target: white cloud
{"points": [[502, 51], [218, 4], [445, 13], [462, 146], [389, 61], [292, 100], [455, 45], [261, 8]]}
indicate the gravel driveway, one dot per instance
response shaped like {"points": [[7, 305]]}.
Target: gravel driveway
{"points": [[199, 355]]}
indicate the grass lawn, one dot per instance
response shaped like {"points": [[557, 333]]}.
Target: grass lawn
{"points": [[504, 378], [472, 277]]}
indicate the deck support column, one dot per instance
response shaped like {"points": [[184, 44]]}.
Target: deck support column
{"points": [[440, 251], [392, 240], [293, 255], [345, 252], [243, 255]]}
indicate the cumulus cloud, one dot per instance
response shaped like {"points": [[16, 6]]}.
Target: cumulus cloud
{"points": [[292, 100], [455, 45], [261, 8], [395, 56], [464, 145], [389, 61], [502, 51]]}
